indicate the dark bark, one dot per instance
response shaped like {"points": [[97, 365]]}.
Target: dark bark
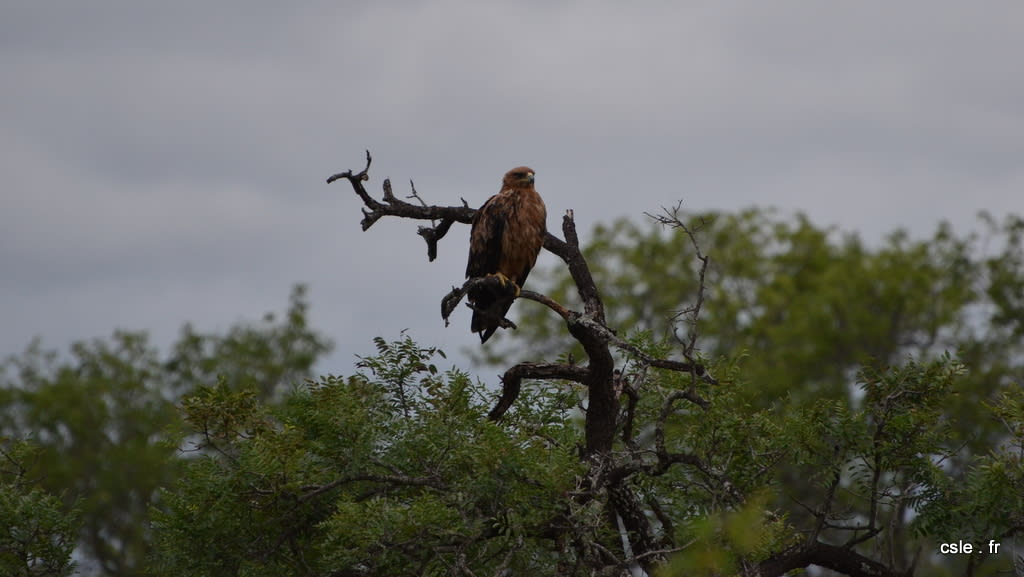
{"points": [[610, 474], [513, 377], [840, 559], [393, 206], [589, 327]]}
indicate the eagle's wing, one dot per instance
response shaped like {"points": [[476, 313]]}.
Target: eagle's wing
{"points": [[486, 242], [485, 238]]}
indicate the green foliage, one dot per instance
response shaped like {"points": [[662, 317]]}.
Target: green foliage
{"points": [[867, 397], [396, 470], [989, 503], [105, 421], [36, 535], [856, 473], [821, 325], [267, 357], [809, 305], [96, 419], [392, 471], [719, 543]]}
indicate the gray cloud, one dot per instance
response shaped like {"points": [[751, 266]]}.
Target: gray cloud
{"points": [[165, 163]]}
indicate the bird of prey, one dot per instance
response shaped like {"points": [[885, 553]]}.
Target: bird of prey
{"points": [[507, 235]]}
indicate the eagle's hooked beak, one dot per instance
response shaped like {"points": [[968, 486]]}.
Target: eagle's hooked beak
{"points": [[529, 176]]}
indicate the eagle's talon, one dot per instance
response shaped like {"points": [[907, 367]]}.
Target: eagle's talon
{"points": [[505, 281]]}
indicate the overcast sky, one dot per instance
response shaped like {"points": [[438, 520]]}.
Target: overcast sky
{"points": [[165, 162]]}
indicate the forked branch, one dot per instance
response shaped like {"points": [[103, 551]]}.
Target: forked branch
{"points": [[589, 327], [394, 206]]}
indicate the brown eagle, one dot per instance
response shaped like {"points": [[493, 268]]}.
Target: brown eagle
{"points": [[507, 235]]}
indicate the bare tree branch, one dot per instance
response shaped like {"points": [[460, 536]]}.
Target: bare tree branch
{"points": [[589, 327], [492, 283], [839, 559], [393, 206], [691, 314], [511, 381]]}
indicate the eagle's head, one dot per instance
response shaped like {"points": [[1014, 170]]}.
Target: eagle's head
{"points": [[519, 177]]}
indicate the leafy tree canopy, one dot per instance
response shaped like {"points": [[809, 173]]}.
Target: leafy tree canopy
{"points": [[105, 423], [816, 401], [396, 470], [808, 306], [37, 534]]}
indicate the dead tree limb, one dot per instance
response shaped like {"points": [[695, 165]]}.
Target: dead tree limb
{"points": [[512, 380], [843, 560], [670, 219], [589, 327], [393, 206], [452, 299]]}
